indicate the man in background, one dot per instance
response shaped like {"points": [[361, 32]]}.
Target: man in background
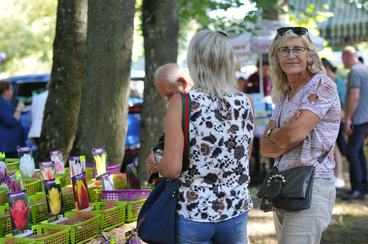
{"points": [[356, 121], [170, 79], [252, 85], [11, 130]]}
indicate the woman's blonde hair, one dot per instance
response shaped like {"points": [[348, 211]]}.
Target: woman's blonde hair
{"points": [[280, 83], [211, 63]]}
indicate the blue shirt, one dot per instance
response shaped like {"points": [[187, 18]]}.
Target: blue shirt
{"points": [[358, 78], [11, 131]]}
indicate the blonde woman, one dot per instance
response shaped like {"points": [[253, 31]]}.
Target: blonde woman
{"points": [[213, 197], [303, 126]]}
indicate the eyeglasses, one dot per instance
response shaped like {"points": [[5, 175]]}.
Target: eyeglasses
{"points": [[296, 30], [284, 51]]}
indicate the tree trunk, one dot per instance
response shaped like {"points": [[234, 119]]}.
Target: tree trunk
{"points": [[274, 12], [62, 106], [104, 105], [160, 32]]}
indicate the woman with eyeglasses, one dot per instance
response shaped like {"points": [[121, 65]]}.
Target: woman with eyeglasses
{"points": [[302, 128]]}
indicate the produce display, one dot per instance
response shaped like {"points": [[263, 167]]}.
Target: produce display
{"points": [[37, 208]]}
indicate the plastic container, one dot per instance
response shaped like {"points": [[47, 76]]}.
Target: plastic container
{"points": [[59, 236], [68, 198], [112, 217], [5, 221], [125, 195], [38, 208], [113, 168], [3, 191], [95, 193], [32, 186], [84, 231], [132, 209]]}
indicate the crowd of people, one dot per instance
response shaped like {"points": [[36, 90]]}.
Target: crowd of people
{"points": [[316, 113]]}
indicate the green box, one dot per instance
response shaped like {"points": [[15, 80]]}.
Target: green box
{"points": [[3, 192], [5, 220], [61, 236], [38, 208], [112, 217], [68, 198], [32, 186], [132, 209], [12, 165], [84, 231], [95, 193]]}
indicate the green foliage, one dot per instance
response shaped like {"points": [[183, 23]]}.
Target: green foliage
{"points": [[27, 33]]}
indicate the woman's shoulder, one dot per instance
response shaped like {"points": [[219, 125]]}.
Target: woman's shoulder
{"points": [[322, 81]]}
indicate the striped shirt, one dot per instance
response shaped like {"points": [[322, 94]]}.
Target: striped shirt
{"points": [[322, 138]]}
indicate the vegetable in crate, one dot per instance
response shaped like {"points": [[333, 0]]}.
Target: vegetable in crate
{"points": [[26, 162], [57, 158], [81, 191], [19, 211], [54, 199], [100, 158], [47, 170]]}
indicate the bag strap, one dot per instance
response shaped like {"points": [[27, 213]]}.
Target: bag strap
{"points": [[324, 155], [185, 114]]}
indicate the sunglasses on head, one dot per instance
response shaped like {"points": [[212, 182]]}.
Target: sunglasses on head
{"points": [[296, 30]]}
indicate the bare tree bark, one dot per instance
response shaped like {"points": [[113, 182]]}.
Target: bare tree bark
{"points": [[104, 105], [160, 32], [62, 106]]}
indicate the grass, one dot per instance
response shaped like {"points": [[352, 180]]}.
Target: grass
{"points": [[349, 223]]}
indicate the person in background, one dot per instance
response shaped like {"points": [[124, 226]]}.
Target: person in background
{"points": [[37, 109], [356, 121], [169, 80], [303, 127], [11, 130], [214, 199], [252, 85], [340, 149]]}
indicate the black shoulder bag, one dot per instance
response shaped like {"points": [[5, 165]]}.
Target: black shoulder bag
{"points": [[290, 189]]}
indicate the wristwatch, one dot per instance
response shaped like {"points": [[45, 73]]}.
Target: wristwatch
{"points": [[269, 131]]}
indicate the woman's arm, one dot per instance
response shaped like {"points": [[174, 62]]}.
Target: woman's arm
{"points": [[171, 162], [268, 148], [295, 131]]}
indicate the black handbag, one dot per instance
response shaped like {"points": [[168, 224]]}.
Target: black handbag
{"points": [[157, 217], [290, 189]]}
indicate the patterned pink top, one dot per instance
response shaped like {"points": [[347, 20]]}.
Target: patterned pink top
{"points": [[323, 136]]}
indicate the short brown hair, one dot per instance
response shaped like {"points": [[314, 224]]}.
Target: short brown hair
{"points": [[4, 85]]}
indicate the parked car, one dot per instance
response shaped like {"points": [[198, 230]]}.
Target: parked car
{"points": [[28, 85]]}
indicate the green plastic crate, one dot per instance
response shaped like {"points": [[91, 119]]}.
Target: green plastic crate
{"points": [[95, 193], [112, 217], [89, 175], [5, 221], [84, 231], [32, 186], [68, 198], [132, 209], [3, 192], [61, 236], [12, 165], [38, 208], [60, 179]]}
